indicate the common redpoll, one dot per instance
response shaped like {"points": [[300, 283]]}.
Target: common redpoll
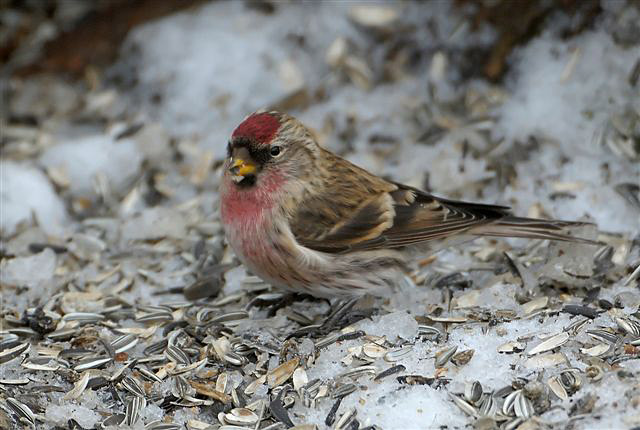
{"points": [[307, 220]]}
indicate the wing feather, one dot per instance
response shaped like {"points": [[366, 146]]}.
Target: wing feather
{"points": [[371, 213], [398, 218]]}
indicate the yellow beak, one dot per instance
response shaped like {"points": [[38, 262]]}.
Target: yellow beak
{"points": [[239, 167]]}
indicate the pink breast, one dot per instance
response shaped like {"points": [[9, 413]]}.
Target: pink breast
{"points": [[248, 218]]}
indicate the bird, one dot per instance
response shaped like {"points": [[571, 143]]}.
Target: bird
{"points": [[306, 220]]}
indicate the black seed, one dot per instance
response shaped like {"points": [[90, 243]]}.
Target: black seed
{"points": [[331, 416], [580, 310]]}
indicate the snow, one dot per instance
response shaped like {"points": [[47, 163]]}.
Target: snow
{"points": [[61, 414], [208, 78], [233, 280], [24, 192], [563, 90], [206, 64], [394, 325], [29, 271], [84, 158], [569, 91], [154, 223]]}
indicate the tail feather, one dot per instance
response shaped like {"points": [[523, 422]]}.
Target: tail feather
{"points": [[532, 228]]}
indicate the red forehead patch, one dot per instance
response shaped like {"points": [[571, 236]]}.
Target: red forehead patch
{"points": [[260, 127]]}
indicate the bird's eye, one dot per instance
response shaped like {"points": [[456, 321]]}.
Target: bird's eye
{"points": [[274, 151]]}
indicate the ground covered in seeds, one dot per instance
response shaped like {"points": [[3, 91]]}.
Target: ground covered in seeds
{"points": [[122, 306]]}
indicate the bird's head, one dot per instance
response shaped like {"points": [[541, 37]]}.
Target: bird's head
{"points": [[267, 145]]}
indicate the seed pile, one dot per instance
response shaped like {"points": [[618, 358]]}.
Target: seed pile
{"points": [[243, 361]]}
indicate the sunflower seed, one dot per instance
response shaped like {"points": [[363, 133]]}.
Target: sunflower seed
{"points": [[119, 374], [577, 324], [628, 326], [597, 350], [585, 311], [159, 425], [231, 316], [373, 350], [221, 382], [509, 403], [124, 343], [570, 380], [429, 332], [253, 386], [155, 317], [83, 317], [346, 419], [79, 386], [513, 424], [343, 390], [557, 388], [282, 373], [156, 348], [148, 374], [444, 355], [22, 381], [177, 356], [488, 406], [546, 360], [550, 343], [113, 420], [241, 417], [328, 340], [132, 385], [462, 358], [390, 371], [9, 341], [397, 354], [634, 275], [40, 363], [331, 416], [23, 332], [21, 410], [604, 335], [181, 388], [473, 392], [134, 406], [464, 406], [277, 407], [535, 305], [12, 353], [522, 406], [92, 363], [356, 372]]}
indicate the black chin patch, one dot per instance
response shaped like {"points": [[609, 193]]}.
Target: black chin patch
{"points": [[247, 181]]}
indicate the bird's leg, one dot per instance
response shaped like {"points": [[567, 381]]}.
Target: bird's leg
{"points": [[277, 301], [344, 314]]}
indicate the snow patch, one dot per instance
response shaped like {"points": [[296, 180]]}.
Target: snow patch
{"points": [[26, 191]]}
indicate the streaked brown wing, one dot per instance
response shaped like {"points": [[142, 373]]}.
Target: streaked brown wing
{"points": [[421, 217], [363, 224], [360, 210], [401, 217]]}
